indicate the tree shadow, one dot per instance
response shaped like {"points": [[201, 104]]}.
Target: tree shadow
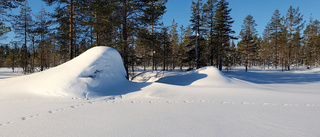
{"points": [[118, 89], [182, 79], [274, 76]]}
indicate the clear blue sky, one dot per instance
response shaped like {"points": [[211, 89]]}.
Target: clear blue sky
{"points": [[261, 10]]}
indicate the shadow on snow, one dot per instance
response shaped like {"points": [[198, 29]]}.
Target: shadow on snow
{"points": [[274, 76], [182, 79]]}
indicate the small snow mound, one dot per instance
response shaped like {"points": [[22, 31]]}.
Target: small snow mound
{"points": [[95, 72], [214, 77]]}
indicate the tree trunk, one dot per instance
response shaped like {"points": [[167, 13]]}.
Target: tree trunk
{"points": [[71, 30], [125, 37]]}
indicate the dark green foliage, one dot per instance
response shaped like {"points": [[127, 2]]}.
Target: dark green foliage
{"points": [[222, 31]]}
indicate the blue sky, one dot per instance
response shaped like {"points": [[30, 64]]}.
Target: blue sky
{"points": [[261, 10]]}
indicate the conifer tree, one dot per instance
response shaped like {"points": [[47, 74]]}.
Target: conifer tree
{"points": [[23, 26], [274, 30], [247, 34], [152, 12], [70, 6], [197, 26], [311, 47], [222, 31], [43, 23], [4, 6], [209, 14], [174, 39], [294, 23]]}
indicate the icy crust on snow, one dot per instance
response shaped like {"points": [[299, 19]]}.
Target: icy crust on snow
{"points": [[95, 72]]}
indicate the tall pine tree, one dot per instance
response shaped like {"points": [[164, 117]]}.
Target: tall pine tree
{"points": [[247, 34], [222, 31], [23, 26]]}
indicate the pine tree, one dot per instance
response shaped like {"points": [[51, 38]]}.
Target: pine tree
{"points": [[13, 56], [174, 39], [152, 12], [197, 26], [311, 43], [43, 23], [247, 34], [209, 15], [23, 26], [62, 34], [70, 5], [294, 23], [274, 29], [4, 6], [222, 31], [164, 38]]}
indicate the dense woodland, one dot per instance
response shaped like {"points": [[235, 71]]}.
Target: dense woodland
{"points": [[134, 28]]}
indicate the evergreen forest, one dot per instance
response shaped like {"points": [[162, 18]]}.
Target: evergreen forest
{"points": [[134, 27]]}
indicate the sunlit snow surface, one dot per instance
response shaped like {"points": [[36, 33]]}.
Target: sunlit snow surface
{"points": [[89, 96]]}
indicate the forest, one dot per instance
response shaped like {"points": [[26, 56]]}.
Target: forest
{"points": [[134, 28]]}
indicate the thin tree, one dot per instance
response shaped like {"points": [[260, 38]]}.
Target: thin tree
{"points": [[294, 23], [22, 27], [247, 34]]}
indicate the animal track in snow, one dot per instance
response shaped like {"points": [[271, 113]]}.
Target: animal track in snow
{"points": [[7, 123], [248, 103], [313, 105], [170, 102], [268, 104]]}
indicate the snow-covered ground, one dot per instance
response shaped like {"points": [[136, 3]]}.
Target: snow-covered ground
{"points": [[89, 96]]}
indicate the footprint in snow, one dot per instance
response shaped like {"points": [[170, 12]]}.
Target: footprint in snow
{"points": [[292, 105], [312, 105], [172, 102], [153, 102]]}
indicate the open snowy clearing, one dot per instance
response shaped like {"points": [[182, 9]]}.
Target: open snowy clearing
{"points": [[89, 96]]}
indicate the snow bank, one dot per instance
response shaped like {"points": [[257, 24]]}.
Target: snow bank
{"points": [[214, 77], [206, 76], [97, 71]]}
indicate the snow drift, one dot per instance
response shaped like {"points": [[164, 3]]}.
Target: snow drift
{"points": [[206, 76], [97, 71]]}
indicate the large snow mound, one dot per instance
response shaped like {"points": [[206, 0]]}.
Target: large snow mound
{"points": [[97, 71]]}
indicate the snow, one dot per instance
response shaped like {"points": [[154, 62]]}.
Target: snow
{"points": [[73, 100], [90, 73]]}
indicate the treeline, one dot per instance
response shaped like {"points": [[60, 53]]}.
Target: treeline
{"points": [[134, 28]]}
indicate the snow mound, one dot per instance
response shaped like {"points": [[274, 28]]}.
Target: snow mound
{"points": [[95, 72], [206, 76], [214, 77]]}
